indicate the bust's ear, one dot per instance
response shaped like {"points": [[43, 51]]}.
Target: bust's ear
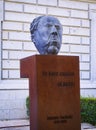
{"points": [[33, 38]]}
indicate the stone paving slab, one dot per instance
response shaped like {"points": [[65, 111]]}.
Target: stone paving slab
{"points": [[87, 126], [14, 123], [24, 125], [16, 128]]}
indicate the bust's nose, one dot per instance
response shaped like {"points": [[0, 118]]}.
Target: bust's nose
{"points": [[53, 30]]}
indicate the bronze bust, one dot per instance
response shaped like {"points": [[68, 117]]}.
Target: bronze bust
{"points": [[46, 34]]}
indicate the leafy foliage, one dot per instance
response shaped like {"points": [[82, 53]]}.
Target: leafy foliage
{"points": [[27, 105], [88, 109]]}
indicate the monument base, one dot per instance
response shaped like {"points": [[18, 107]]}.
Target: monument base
{"points": [[54, 91]]}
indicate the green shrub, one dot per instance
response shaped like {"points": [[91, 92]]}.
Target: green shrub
{"points": [[27, 105], [88, 109]]}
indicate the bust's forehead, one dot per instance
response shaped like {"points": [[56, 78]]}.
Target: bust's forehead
{"points": [[49, 19]]}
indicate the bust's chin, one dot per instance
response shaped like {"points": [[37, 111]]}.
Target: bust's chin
{"points": [[52, 50]]}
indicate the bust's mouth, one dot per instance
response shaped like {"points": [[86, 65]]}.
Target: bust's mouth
{"points": [[54, 43], [54, 40]]}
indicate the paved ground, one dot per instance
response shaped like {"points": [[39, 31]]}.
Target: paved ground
{"points": [[86, 126], [24, 125]]}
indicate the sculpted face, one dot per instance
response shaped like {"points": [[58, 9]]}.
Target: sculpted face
{"points": [[47, 35]]}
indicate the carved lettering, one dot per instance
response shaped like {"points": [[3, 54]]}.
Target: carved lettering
{"points": [[65, 84], [59, 119]]}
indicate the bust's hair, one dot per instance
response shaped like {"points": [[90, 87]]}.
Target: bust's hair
{"points": [[34, 25]]}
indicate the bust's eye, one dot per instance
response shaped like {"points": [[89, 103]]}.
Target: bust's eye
{"points": [[57, 27], [49, 25]]}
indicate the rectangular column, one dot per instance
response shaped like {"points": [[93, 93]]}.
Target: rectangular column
{"points": [[54, 91]]}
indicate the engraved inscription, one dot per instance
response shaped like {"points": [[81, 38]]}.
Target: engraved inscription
{"points": [[67, 84], [59, 119], [62, 79]]}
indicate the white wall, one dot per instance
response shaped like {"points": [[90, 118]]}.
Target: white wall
{"points": [[74, 17], [78, 27]]}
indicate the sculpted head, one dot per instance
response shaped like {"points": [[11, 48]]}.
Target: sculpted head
{"points": [[46, 34]]}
